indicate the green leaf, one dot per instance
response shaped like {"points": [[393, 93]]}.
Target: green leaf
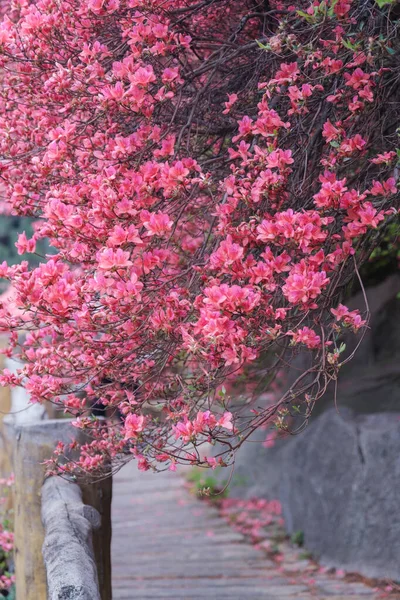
{"points": [[263, 46], [297, 538], [305, 16], [382, 3], [331, 10], [222, 392], [349, 45]]}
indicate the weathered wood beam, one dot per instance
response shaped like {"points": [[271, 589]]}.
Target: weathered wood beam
{"points": [[68, 548]]}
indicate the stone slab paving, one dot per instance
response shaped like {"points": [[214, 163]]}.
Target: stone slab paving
{"points": [[168, 544]]}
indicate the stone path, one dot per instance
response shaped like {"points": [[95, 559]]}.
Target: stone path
{"points": [[168, 544]]}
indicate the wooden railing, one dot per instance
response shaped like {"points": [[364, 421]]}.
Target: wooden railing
{"points": [[68, 544], [62, 530]]}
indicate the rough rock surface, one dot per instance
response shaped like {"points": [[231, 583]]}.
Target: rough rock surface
{"points": [[339, 483], [340, 486]]}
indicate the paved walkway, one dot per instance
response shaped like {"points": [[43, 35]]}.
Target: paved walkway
{"points": [[168, 544]]}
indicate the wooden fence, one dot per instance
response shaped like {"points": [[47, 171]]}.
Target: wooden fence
{"points": [[62, 530]]}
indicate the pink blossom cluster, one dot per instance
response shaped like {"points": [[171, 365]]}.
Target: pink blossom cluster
{"points": [[194, 234], [203, 423], [351, 318]]}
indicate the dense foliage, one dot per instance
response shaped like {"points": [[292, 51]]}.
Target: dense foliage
{"points": [[212, 175]]}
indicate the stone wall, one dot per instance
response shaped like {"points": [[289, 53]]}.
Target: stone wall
{"points": [[340, 485]]}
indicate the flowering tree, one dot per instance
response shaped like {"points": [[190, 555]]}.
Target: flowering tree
{"points": [[212, 175]]}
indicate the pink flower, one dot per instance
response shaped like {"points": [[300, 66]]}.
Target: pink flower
{"points": [[158, 224], [143, 463], [306, 336], [204, 420], [133, 425], [268, 123], [384, 158], [350, 318], [287, 72], [340, 312], [304, 284], [356, 104], [227, 253], [178, 172], [211, 461], [232, 98], [232, 298], [167, 147], [113, 259], [110, 92], [385, 188], [245, 127], [226, 421], [332, 190], [279, 159], [96, 5], [369, 216], [357, 79], [184, 430], [350, 145], [171, 74], [144, 75], [24, 245], [342, 7]]}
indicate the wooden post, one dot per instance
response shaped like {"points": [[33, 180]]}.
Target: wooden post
{"points": [[5, 407], [99, 496], [32, 445]]}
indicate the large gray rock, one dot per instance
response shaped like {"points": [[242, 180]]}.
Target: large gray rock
{"points": [[340, 485]]}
